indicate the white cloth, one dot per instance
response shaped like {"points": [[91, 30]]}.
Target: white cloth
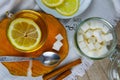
{"points": [[5, 5], [15, 5], [116, 4], [97, 8]]}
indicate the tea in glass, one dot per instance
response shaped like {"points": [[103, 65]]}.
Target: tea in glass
{"points": [[27, 31]]}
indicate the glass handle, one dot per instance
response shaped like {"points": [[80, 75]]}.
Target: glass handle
{"points": [[115, 53], [9, 14]]}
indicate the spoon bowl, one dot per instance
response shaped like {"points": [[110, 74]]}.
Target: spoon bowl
{"points": [[48, 58]]}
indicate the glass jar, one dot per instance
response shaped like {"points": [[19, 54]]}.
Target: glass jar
{"points": [[114, 66], [107, 25]]}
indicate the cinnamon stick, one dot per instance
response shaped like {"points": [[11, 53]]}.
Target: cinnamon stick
{"points": [[63, 75], [62, 69]]}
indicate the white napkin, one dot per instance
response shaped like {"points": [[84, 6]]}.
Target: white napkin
{"points": [[5, 5], [15, 5], [116, 4]]}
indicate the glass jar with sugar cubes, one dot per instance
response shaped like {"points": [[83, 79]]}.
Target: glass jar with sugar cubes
{"points": [[95, 38]]}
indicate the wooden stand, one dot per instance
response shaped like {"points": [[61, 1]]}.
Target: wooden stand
{"points": [[20, 68]]}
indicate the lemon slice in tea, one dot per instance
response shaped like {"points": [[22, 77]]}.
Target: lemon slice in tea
{"points": [[68, 8], [52, 3], [24, 34]]}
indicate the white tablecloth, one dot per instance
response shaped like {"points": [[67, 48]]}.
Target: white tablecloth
{"points": [[98, 8]]}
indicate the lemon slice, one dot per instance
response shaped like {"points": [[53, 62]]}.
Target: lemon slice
{"points": [[52, 3], [68, 8], [24, 34]]}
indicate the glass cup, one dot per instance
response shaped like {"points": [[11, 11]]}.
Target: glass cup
{"points": [[92, 22], [38, 19], [114, 66]]}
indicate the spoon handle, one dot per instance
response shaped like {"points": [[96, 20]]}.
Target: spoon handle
{"points": [[13, 59]]}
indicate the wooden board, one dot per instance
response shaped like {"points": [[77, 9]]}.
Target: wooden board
{"points": [[98, 71], [20, 68], [117, 29]]}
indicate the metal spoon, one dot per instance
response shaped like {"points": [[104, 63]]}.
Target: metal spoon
{"points": [[47, 58]]}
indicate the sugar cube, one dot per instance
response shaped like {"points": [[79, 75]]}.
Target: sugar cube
{"points": [[89, 33], [91, 46], [85, 27], [92, 40], [98, 45], [82, 44], [108, 37], [57, 45], [85, 49], [80, 37], [91, 53], [98, 35], [59, 37]]}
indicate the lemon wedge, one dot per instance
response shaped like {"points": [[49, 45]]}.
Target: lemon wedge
{"points": [[52, 3], [68, 7], [24, 34]]}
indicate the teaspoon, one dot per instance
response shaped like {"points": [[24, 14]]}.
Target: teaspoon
{"points": [[48, 58]]}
